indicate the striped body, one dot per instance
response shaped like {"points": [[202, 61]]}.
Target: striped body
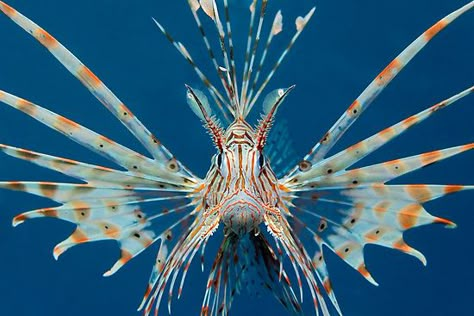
{"points": [[240, 184]]}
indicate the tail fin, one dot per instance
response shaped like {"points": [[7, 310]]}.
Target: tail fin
{"points": [[242, 261]]}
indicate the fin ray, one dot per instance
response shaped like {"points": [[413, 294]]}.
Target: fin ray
{"points": [[321, 148], [100, 91]]}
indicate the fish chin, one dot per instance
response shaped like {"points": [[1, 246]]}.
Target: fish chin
{"points": [[242, 213]]}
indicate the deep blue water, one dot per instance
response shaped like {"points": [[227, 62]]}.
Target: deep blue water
{"points": [[343, 48]]}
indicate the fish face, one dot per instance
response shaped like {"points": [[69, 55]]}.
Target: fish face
{"points": [[241, 183]]}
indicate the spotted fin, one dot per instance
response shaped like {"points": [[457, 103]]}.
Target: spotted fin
{"points": [[347, 219], [65, 192], [95, 86], [319, 151], [386, 171], [92, 174], [345, 209], [351, 155], [146, 203], [100, 144]]}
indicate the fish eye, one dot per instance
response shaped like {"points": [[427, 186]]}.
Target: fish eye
{"points": [[219, 160], [261, 161]]}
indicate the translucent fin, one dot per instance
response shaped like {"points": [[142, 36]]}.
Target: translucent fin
{"points": [[301, 23], [94, 85], [194, 106], [93, 174], [346, 219], [271, 105], [356, 152], [192, 238], [104, 214], [248, 53], [111, 205], [64, 192], [230, 101], [233, 71], [223, 111], [78, 210], [247, 75], [212, 124], [227, 81], [131, 245], [216, 95], [102, 145], [280, 149], [319, 151], [346, 227], [208, 7], [271, 99], [118, 226], [244, 263], [386, 171], [277, 27]]}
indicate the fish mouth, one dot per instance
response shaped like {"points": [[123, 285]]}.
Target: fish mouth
{"points": [[242, 213]]}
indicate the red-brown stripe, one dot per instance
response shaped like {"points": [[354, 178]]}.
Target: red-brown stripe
{"points": [[48, 189], [409, 121], [27, 155], [65, 121], [452, 189], [435, 29], [79, 237], [387, 74], [408, 216], [419, 192], [87, 77], [16, 185], [49, 212], [430, 157], [25, 106], [9, 11], [45, 38]]}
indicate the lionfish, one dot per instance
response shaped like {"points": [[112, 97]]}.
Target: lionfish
{"points": [[251, 183]]}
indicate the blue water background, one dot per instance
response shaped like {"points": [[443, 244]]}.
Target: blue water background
{"points": [[344, 47]]}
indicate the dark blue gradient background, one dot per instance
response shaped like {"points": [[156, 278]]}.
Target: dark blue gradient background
{"points": [[343, 48]]}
